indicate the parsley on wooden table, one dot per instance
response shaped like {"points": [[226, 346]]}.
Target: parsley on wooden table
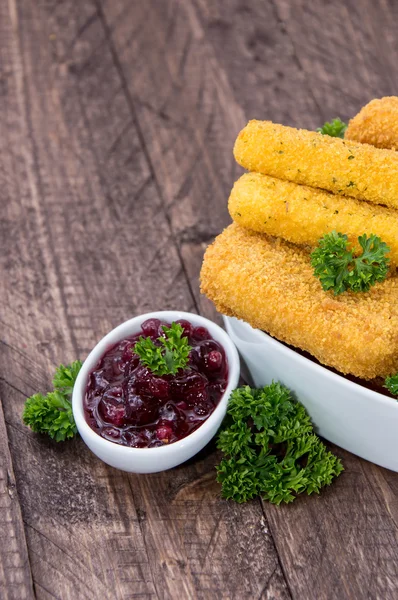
{"points": [[270, 448], [52, 414]]}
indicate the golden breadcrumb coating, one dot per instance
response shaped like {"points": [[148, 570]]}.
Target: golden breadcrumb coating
{"points": [[270, 284], [302, 215], [320, 161], [376, 124]]}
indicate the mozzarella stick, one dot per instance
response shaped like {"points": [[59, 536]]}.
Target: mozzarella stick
{"points": [[320, 161], [270, 284], [376, 124], [302, 215]]}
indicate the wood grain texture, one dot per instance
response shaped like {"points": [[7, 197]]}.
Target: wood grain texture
{"points": [[15, 573], [254, 49], [118, 120], [199, 546], [347, 51], [187, 114], [344, 543]]}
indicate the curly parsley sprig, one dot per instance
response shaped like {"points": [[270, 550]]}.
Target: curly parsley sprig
{"points": [[334, 128], [270, 448], [170, 355], [337, 268], [52, 414], [65, 377]]}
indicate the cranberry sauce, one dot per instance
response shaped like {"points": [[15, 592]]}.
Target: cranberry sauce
{"points": [[127, 404]]}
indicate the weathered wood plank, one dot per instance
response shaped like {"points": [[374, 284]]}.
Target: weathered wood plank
{"points": [[185, 110], [204, 547], [15, 574], [346, 50], [92, 245], [344, 543], [83, 532], [251, 46]]}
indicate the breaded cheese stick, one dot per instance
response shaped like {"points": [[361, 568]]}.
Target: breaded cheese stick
{"points": [[320, 161], [270, 284], [376, 124], [302, 215]]}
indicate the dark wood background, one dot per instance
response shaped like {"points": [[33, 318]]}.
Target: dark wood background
{"points": [[117, 121]]}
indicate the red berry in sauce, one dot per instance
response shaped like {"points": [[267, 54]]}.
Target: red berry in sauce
{"points": [[187, 382], [150, 328], [164, 433], [203, 409], [187, 327], [197, 397], [141, 410], [111, 411], [201, 333], [147, 384], [214, 360], [111, 433]]}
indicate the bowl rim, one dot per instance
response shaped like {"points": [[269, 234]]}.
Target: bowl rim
{"points": [[130, 327], [309, 364]]}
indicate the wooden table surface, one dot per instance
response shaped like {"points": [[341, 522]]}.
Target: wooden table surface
{"points": [[116, 131]]}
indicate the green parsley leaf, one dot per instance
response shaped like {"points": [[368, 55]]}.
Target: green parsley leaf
{"points": [[65, 376], [391, 383], [52, 414], [334, 128], [338, 270], [169, 355], [270, 448]]}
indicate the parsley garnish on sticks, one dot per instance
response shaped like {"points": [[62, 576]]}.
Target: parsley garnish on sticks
{"points": [[337, 268], [334, 128], [270, 449]]}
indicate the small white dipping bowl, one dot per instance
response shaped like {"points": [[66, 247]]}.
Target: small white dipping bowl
{"points": [[152, 460], [345, 413]]}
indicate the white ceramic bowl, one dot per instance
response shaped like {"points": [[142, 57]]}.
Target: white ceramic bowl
{"points": [[151, 460], [345, 413]]}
